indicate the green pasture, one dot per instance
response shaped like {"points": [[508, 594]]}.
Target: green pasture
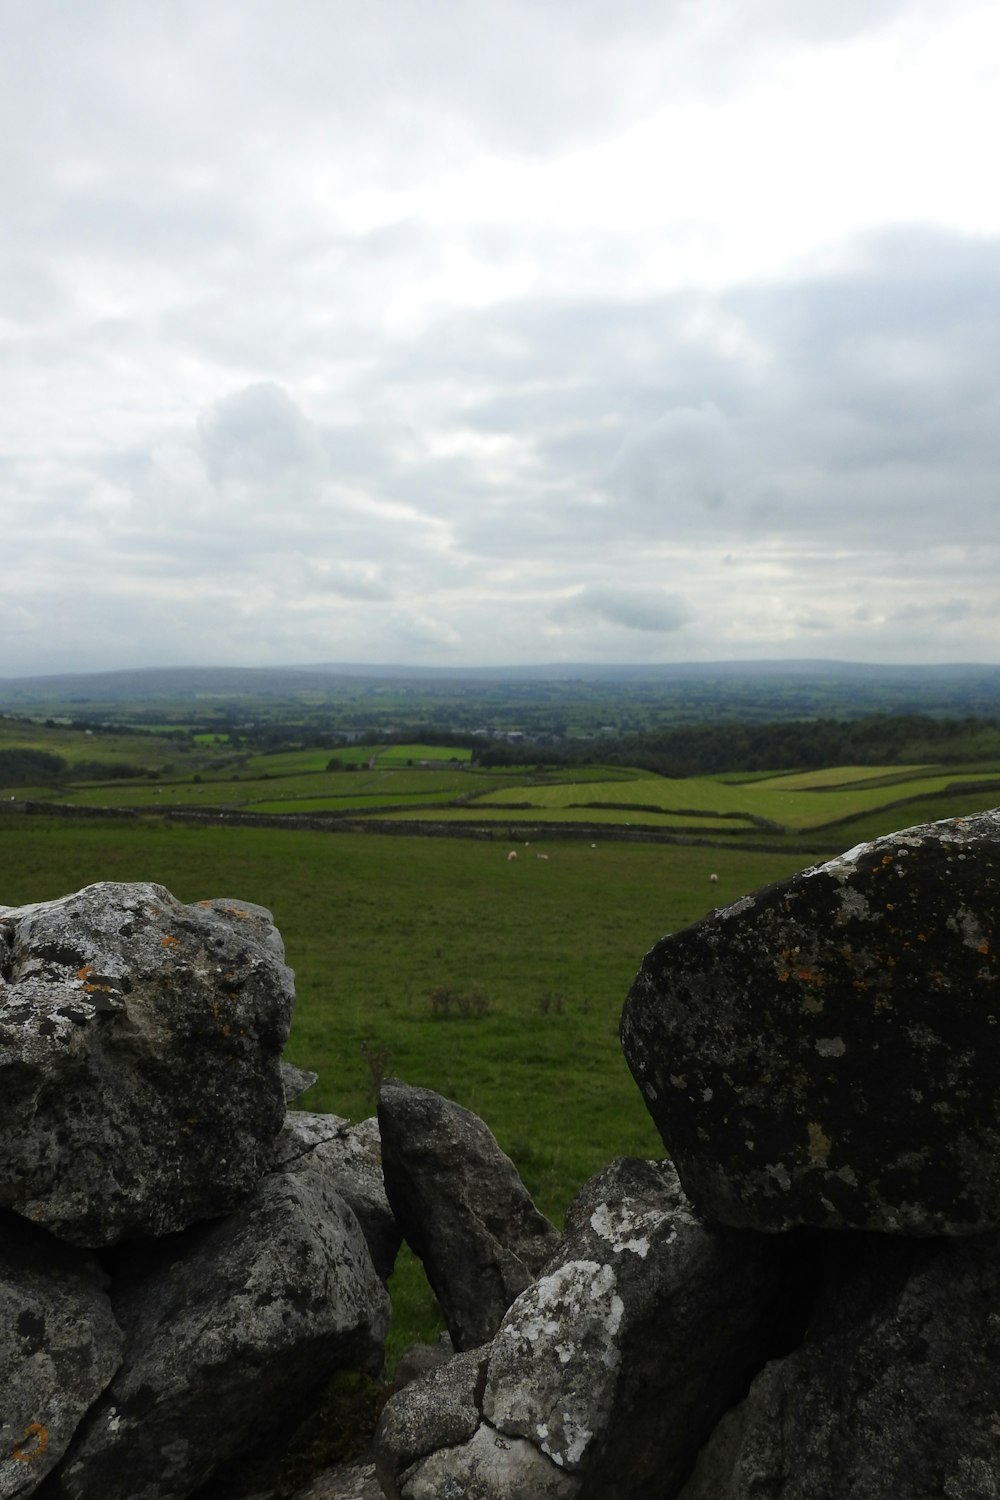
{"points": [[798, 808], [294, 762], [405, 755], [373, 925], [839, 776], [245, 791]]}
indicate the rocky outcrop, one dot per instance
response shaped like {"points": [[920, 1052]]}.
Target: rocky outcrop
{"points": [[59, 1347], [641, 1332], [351, 1158], [825, 1052], [817, 1315], [613, 1366], [140, 1044], [805, 1304], [141, 1115], [462, 1208], [228, 1327], [895, 1391]]}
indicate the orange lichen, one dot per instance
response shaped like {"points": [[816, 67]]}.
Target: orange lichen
{"points": [[983, 948], [169, 942], [38, 1437], [85, 972], [810, 976]]}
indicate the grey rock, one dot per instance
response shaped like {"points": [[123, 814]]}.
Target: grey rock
{"points": [[441, 1409], [488, 1467], [59, 1347], [354, 1480], [421, 1359], [228, 1326], [620, 1359], [896, 1391], [351, 1157], [825, 1052], [140, 1044], [296, 1081], [462, 1208]]}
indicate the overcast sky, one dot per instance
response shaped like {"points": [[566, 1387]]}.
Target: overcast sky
{"points": [[498, 331]]}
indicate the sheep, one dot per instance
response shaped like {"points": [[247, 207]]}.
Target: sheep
{"points": [[512, 855], [541, 856], [713, 879]]}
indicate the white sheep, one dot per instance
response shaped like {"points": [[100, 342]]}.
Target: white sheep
{"points": [[512, 855], [713, 878]]}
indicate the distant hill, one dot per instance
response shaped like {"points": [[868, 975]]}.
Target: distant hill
{"points": [[583, 694]]}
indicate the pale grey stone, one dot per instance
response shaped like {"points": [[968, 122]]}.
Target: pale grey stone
{"points": [[140, 1045]]}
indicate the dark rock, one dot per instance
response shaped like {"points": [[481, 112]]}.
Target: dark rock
{"points": [[896, 1391], [462, 1208], [441, 1409], [648, 1324], [825, 1052], [140, 1043], [229, 1326], [59, 1347], [351, 1157]]}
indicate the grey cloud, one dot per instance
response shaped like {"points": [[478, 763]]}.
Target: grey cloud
{"points": [[631, 609], [258, 434]]}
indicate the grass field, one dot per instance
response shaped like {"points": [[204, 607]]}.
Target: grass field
{"points": [[372, 926], [793, 803]]}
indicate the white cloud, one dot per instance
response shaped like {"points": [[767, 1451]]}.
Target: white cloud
{"points": [[492, 331]]}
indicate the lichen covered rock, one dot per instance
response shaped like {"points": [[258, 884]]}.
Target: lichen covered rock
{"points": [[895, 1391], [825, 1051], [59, 1347], [140, 1044], [228, 1327]]}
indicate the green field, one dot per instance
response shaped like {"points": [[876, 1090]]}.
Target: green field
{"points": [[793, 803]]}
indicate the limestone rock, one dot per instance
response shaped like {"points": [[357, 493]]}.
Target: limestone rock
{"points": [[896, 1391], [462, 1207], [353, 1480], [825, 1052], [59, 1347], [618, 1361], [439, 1410], [296, 1081], [351, 1157], [489, 1467], [140, 1043], [228, 1327]]}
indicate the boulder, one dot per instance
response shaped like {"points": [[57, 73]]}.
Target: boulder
{"points": [[351, 1157], [648, 1324], [140, 1044], [489, 1467], [229, 1327], [462, 1208], [441, 1409], [59, 1347], [896, 1390], [610, 1371], [825, 1052]]}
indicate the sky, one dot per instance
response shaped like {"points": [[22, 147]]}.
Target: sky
{"points": [[487, 332]]}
